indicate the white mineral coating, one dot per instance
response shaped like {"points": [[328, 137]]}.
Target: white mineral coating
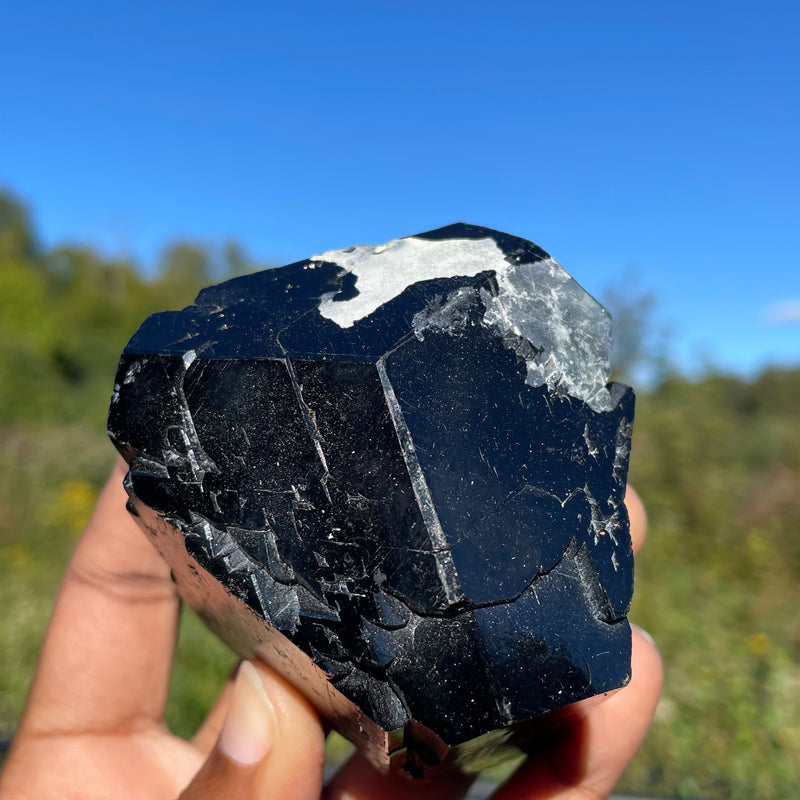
{"points": [[539, 302], [384, 271]]}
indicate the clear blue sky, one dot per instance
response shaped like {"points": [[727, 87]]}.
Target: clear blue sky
{"points": [[657, 137]]}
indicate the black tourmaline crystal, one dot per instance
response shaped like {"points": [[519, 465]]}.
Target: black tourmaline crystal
{"points": [[396, 474]]}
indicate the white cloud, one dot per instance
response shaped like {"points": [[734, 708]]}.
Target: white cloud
{"points": [[784, 312]]}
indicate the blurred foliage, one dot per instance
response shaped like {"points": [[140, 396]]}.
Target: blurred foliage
{"points": [[717, 461], [718, 583]]}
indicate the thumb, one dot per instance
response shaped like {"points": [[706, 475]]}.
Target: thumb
{"points": [[271, 744]]}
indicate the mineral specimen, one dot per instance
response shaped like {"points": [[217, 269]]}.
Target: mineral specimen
{"points": [[396, 474]]}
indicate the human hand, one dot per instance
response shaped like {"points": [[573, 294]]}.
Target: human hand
{"points": [[94, 724]]}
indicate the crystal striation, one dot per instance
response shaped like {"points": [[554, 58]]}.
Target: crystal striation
{"points": [[396, 474]]}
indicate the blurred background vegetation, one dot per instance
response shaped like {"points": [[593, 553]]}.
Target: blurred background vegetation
{"points": [[716, 459]]}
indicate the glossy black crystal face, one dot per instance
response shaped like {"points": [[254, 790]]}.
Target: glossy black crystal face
{"points": [[405, 459]]}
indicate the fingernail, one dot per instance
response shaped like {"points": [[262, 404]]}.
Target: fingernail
{"points": [[251, 724], [644, 633]]}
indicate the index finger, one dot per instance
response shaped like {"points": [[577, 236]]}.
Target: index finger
{"points": [[106, 658]]}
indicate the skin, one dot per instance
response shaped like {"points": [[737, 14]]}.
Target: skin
{"points": [[94, 724]]}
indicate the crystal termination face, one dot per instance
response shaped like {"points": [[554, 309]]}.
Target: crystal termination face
{"points": [[396, 474]]}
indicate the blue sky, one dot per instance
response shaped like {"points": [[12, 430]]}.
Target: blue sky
{"points": [[659, 139]]}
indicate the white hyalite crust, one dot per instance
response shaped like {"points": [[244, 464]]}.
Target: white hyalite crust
{"points": [[540, 302]]}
